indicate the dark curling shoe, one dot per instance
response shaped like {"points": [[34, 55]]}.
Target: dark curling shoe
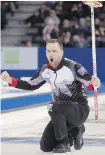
{"points": [[62, 147], [78, 140]]}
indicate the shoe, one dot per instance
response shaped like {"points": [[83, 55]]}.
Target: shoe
{"points": [[62, 147], [78, 140]]}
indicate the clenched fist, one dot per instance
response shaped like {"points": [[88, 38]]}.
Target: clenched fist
{"points": [[95, 81], [6, 77]]}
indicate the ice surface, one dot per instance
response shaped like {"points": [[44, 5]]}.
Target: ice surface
{"points": [[21, 131]]}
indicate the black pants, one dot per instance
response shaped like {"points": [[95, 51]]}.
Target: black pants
{"points": [[64, 117]]}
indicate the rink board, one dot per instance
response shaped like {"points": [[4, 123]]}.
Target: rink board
{"points": [[13, 98]]}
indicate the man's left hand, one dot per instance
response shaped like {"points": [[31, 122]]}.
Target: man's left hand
{"points": [[95, 81]]}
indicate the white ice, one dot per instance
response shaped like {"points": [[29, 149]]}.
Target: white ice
{"points": [[21, 131]]}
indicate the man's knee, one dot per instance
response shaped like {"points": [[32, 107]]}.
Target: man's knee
{"points": [[44, 147], [48, 140], [43, 144]]}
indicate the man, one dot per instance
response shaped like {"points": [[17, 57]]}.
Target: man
{"points": [[69, 109]]}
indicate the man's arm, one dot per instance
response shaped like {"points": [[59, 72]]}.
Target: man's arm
{"points": [[83, 76], [34, 83]]}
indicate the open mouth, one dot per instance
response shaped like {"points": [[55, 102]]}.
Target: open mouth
{"points": [[51, 59]]}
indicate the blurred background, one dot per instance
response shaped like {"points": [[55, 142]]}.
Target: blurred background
{"points": [[26, 25], [29, 23]]}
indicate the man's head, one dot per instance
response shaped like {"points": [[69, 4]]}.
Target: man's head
{"points": [[54, 52]]}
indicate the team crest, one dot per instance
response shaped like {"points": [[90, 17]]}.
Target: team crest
{"points": [[82, 71]]}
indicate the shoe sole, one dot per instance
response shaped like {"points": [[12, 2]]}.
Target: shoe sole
{"points": [[61, 151]]}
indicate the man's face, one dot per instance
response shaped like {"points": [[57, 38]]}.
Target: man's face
{"points": [[54, 54]]}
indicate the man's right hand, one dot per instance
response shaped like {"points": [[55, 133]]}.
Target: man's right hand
{"points": [[6, 77]]}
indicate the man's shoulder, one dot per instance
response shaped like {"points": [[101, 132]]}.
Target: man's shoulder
{"points": [[44, 67], [69, 63]]}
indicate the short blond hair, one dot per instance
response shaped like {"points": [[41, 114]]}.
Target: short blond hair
{"points": [[55, 41]]}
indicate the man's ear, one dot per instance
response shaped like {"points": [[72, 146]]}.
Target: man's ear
{"points": [[62, 52]]}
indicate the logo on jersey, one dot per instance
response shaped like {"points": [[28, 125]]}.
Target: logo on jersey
{"points": [[82, 71], [49, 107]]}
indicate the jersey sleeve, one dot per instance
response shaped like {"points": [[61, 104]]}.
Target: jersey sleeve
{"points": [[34, 83], [82, 75]]}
